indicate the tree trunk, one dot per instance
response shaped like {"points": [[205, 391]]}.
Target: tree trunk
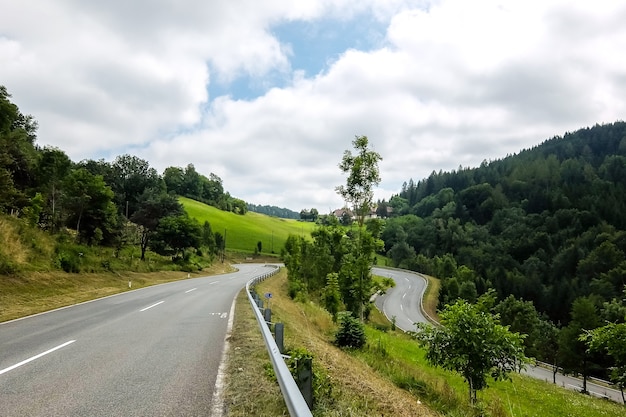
{"points": [[144, 242], [585, 376]]}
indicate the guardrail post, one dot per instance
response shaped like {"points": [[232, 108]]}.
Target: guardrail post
{"points": [[297, 405], [267, 315], [279, 335], [305, 380]]}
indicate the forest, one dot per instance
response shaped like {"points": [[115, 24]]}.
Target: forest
{"points": [[95, 202], [544, 229]]}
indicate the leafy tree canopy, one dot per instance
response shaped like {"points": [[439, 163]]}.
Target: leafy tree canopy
{"points": [[472, 343]]}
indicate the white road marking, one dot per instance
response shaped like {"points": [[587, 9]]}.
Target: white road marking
{"points": [[401, 307], [217, 409], [188, 291], [404, 296], [223, 315], [153, 305], [10, 368], [214, 282]]}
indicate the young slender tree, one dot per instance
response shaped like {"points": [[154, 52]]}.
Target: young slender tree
{"points": [[363, 175], [472, 343]]}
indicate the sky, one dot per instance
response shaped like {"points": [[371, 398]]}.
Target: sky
{"points": [[269, 94]]}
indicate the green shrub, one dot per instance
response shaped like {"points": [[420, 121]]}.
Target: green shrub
{"points": [[68, 262], [7, 267], [294, 288], [351, 332]]}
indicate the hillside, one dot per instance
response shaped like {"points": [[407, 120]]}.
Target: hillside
{"points": [[243, 232], [545, 225], [544, 229]]}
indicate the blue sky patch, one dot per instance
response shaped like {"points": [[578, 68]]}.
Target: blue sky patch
{"points": [[314, 45]]}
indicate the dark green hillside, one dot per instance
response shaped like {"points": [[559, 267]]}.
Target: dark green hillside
{"points": [[545, 229]]}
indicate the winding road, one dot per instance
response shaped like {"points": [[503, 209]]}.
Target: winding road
{"points": [[404, 302], [150, 352]]}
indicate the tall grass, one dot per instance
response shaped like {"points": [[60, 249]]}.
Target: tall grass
{"points": [[396, 358], [243, 232]]}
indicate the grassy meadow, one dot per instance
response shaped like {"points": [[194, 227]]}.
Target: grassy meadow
{"points": [[389, 376], [243, 232]]}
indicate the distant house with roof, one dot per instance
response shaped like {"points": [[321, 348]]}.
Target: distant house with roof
{"points": [[345, 212]]}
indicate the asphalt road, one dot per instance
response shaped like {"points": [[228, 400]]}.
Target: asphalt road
{"points": [[404, 300], [150, 352]]}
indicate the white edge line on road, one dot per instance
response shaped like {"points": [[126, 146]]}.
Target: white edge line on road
{"points": [[153, 305], [24, 362], [217, 406], [188, 291]]}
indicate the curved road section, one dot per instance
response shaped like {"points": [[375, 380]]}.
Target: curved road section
{"points": [[404, 301], [149, 352]]}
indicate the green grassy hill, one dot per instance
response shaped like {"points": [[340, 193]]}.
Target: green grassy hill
{"points": [[243, 232]]}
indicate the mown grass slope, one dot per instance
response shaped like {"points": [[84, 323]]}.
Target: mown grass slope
{"points": [[390, 376], [243, 232]]}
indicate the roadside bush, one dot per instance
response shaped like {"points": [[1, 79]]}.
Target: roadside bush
{"points": [[295, 287], [7, 267], [68, 262], [351, 332]]}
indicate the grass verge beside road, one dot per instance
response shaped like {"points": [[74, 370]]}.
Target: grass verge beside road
{"points": [[391, 377], [35, 292]]}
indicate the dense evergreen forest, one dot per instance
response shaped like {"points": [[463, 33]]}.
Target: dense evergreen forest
{"points": [[545, 229], [101, 203], [546, 225]]}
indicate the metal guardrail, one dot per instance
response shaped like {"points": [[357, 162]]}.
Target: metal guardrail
{"points": [[294, 400]]}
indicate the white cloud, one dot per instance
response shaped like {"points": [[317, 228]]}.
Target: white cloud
{"points": [[455, 83]]}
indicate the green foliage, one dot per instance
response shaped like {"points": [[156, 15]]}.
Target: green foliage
{"points": [[89, 205], [363, 175], [7, 266], [573, 354], [209, 190], [273, 211], [473, 343], [331, 296], [243, 232], [130, 177], [31, 213], [152, 206], [175, 234], [351, 332], [529, 225], [17, 154], [70, 257], [610, 339], [298, 361]]}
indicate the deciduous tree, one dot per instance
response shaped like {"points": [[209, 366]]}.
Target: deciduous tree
{"points": [[472, 343], [363, 175]]}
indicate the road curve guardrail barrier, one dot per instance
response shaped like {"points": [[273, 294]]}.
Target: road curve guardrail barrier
{"points": [[294, 400]]}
